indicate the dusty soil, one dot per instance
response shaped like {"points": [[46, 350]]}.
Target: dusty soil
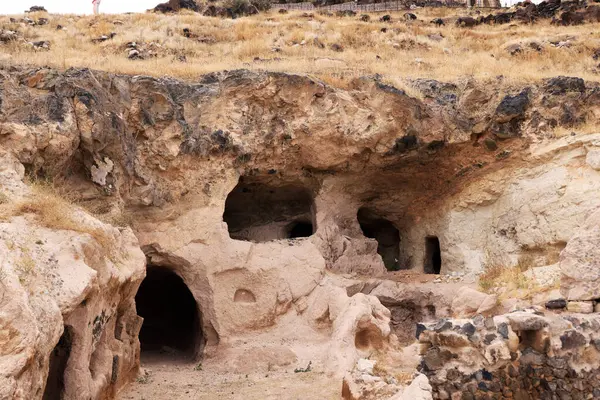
{"points": [[172, 378]]}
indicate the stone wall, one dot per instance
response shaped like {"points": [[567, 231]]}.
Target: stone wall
{"points": [[520, 355]]}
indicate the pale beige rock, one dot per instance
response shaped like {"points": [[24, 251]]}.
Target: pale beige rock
{"points": [[582, 307], [580, 262], [55, 281], [525, 321], [361, 328], [592, 159], [468, 302], [419, 389], [488, 305]]}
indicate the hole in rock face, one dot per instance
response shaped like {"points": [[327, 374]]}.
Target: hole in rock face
{"points": [[259, 212], [300, 229], [59, 357], [171, 321], [433, 255], [386, 234]]}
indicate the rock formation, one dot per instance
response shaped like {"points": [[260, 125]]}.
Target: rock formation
{"points": [[274, 204], [68, 322]]}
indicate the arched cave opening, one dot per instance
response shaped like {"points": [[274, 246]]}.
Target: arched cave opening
{"points": [[171, 324], [55, 384], [433, 255], [386, 234], [260, 212]]}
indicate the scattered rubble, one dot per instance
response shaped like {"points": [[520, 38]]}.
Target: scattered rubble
{"points": [[104, 38]]}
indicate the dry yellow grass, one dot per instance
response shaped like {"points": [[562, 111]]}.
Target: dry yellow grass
{"points": [[55, 212], [502, 277], [296, 44], [511, 281]]}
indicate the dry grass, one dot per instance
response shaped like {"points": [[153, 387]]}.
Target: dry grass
{"points": [[55, 212], [25, 265], [502, 279], [296, 44]]}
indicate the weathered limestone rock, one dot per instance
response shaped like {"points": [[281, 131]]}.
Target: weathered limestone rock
{"points": [[525, 321], [70, 289], [470, 301], [583, 307], [365, 324], [580, 262], [419, 389]]}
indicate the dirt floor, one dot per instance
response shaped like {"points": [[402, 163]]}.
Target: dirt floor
{"points": [[174, 379]]}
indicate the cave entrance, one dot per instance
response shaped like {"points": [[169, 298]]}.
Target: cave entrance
{"points": [[433, 255], [260, 212], [386, 234], [171, 327], [55, 384]]}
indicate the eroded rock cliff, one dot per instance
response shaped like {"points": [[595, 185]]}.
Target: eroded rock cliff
{"points": [[269, 198]]}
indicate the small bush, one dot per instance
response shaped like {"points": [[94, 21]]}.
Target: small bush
{"points": [[261, 5]]}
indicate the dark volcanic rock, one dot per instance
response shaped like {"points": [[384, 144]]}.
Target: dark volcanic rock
{"points": [[176, 5], [512, 107], [556, 304], [572, 339], [565, 84]]}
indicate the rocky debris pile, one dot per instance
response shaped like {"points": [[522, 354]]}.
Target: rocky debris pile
{"points": [[36, 9], [523, 354], [142, 50], [452, 277], [8, 36], [367, 384], [31, 22], [43, 45], [561, 12], [538, 46], [177, 5]]}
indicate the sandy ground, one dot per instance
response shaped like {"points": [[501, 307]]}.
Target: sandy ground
{"points": [[175, 379]]}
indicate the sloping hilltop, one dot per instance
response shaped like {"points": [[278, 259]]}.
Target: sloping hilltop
{"points": [[255, 215]]}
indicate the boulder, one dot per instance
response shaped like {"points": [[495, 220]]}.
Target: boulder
{"points": [[582, 307], [512, 107], [572, 339], [469, 301], [176, 5], [556, 304], [419, 389], [525, 321], [565, 84]]}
